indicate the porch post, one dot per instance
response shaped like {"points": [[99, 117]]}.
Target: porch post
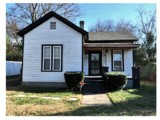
{"points": [[136, 77]]}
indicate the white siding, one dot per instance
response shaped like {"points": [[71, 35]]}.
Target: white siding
{"points": [[128, 62], [103, 58], [33, 41], [85, 63], [109, 60]]}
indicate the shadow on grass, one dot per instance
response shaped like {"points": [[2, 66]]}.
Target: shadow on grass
{"points": [[27, 89], [144, 105], [13, 80], [129, 108]]}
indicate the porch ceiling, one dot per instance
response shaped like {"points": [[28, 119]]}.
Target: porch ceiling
{"points": [[111, 45]]}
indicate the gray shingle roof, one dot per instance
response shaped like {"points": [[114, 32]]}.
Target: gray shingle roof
{"points": [[98, 36]]}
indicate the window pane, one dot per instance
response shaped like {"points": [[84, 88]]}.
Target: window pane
{"points": [[56, 64], [46, 64], [47, 51], [56, 52], [117, 65], [117, 57], [95, 57]]}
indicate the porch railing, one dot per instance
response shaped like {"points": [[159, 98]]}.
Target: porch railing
{"points": [[104, 69]]}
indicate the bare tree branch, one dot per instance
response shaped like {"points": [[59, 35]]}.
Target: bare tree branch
{"points": [[23, 14], [109, 25]]}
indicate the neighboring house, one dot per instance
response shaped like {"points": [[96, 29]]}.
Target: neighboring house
{"points": [[53, 45]]}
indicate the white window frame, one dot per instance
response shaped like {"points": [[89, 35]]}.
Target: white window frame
{"points": [[47, 58], [121, 60], [56, 58]]}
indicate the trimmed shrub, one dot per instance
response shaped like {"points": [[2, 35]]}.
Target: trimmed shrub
{"points": [[73, 79], [114, 81]]}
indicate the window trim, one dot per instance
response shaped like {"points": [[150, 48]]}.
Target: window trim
{"points": [[61, 59], [112, 53]]}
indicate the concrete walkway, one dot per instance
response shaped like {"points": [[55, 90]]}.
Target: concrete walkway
{"points": [[94, 94], [96, 100]]}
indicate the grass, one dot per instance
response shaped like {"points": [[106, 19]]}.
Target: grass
{"points": [[132, 102], [136, 101], [22, 106]]}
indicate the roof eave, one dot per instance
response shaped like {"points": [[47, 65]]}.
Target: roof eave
{"points": [[92, 45], [110, 41]]}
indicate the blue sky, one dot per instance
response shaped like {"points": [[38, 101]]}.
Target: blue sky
{"points": [[103, 11]]}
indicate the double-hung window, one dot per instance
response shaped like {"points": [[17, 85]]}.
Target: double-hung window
{"points": [[52, 58], [117, 60]]}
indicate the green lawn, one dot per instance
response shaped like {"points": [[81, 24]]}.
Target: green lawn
{"points": [[140, 102], [133, 102], [29, 105], [136, 101]]}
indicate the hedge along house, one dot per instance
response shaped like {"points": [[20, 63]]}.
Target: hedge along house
{"points": [[53, 45]]}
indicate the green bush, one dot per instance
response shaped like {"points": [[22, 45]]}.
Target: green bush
{"points": [[114, 81], [73, 79]]}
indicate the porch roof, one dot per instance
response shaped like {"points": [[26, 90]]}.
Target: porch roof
{"points": [[111, 36], [111, 45]]}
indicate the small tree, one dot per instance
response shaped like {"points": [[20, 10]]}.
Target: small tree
{"points": [[146, 29], [13, 51]]}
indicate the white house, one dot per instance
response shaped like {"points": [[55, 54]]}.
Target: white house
{"points": [[53, 45]]}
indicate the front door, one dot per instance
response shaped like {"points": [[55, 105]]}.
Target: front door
{"points": [[95, 63]]}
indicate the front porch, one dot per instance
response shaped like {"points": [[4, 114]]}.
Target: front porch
{"points": [[132, 81], [114, 59]]}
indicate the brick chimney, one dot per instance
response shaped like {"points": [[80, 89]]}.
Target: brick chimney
{"points": [[81, 24]]}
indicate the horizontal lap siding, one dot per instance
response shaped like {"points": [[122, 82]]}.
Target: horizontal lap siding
{"points": [[109, 61], [72, 51], [85, 63], [128, 62]]}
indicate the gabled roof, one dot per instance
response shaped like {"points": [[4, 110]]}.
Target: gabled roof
{"points": [[111, 36], [46, 17]]}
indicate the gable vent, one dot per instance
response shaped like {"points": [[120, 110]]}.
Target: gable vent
{"points": [[52, 25]]}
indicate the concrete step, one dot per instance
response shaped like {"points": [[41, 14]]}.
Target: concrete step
{"points": [[93, 77], [93, 86]]}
